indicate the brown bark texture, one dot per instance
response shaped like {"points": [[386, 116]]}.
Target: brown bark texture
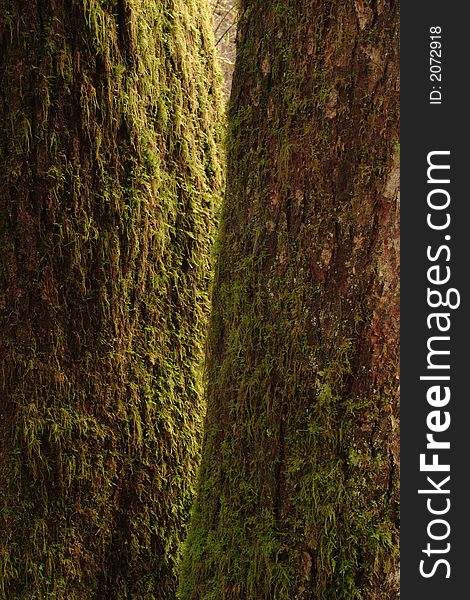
{"points": [[298, 494], [109, 125]]}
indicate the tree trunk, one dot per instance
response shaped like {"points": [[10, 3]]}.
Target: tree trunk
{"points": [[109, 119], [298, 493]]}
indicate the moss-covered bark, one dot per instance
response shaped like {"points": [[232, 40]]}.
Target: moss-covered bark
{"points": [[109, 116], [298, 496]]}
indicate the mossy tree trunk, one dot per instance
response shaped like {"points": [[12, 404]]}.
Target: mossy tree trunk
{"points": [[109, 116], [298, 494]]}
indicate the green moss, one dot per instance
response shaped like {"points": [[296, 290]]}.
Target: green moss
{"points": [[298, 486], [109, 139]]}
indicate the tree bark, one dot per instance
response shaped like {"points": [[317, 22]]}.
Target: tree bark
{"points": [[298, 495], [109, 122]]}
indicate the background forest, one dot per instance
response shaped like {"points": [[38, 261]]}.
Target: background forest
{"points": [[199, 300]]}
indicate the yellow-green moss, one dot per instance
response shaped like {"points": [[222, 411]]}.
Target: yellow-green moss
{"points": [[109, 133]]}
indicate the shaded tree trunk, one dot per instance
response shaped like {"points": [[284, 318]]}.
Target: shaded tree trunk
{"points": [[298, 495], [109, 116]]}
